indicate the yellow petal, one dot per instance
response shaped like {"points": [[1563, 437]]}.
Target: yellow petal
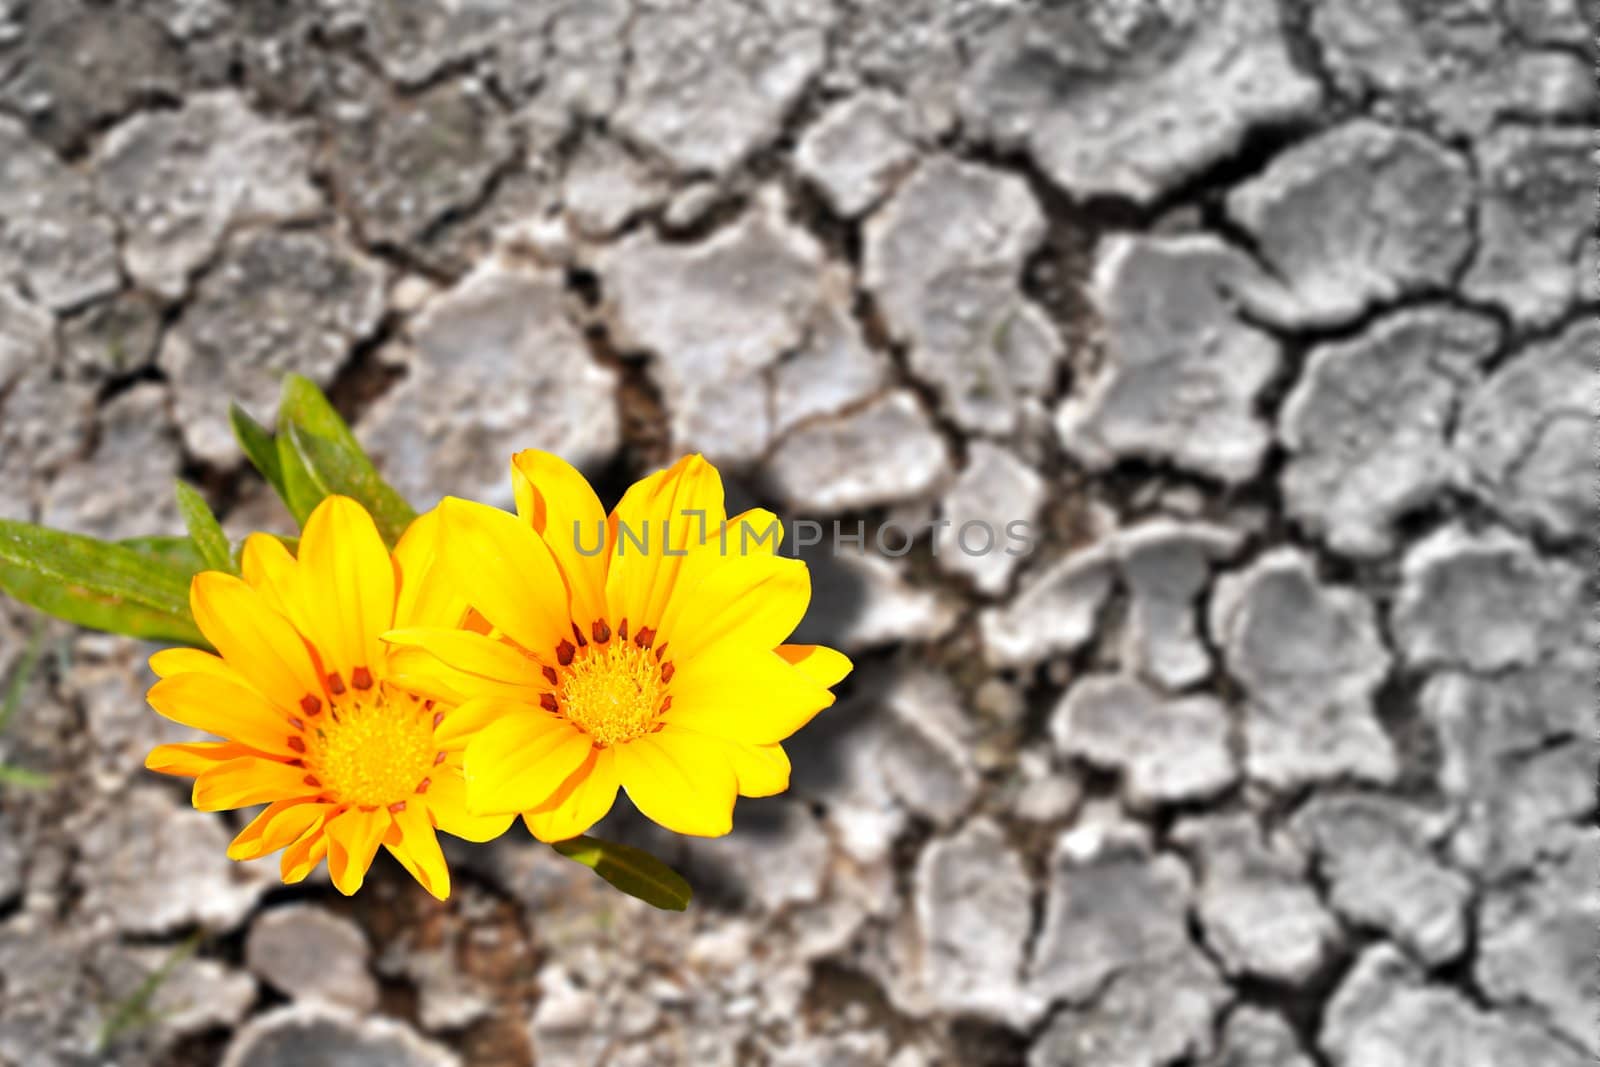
{"points": [[670, 511], [193, 759], [418, 848], [426, 598], [583, 799], [516, 762], [762, 770], [268, 567], [279, 826], [170, 661], [256, 641], [248, 780], [447, 799], [211, 703], [468, 719], [480, 665], [679, 781], [506, 573], [422, 674], [823, 665], [557, 502], [353, 839], [755, 599], [347, 584], [301, 857], [743, 694]]}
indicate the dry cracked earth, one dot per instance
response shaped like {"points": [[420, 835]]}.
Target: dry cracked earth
{"points": [[1275, 319]]}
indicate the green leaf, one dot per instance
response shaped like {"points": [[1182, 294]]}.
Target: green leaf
{"points": [[319, 456], [20, 675], [204, 529], [258, 447], [632, 870], [181, 552], [98, 584], [20, 778]]}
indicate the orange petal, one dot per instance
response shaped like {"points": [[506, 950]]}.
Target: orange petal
{"points": [[418, 848], [170, 661], [353, 839], [248, 780], [280, 825], [256, 641], [211, 703], [193, 759], [301, 857], [268, 567], [583, 799]]}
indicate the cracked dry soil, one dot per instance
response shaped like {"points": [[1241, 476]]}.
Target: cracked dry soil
{"points": [[1276, 319]]}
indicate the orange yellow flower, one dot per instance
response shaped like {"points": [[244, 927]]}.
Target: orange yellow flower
{"points": [[644, 649], [302, 693]]}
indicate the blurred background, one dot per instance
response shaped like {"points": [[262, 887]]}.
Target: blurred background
{"points": [[1274, 320]]}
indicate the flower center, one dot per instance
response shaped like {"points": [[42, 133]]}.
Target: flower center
{"points": [[611, 688], [373, 748]]}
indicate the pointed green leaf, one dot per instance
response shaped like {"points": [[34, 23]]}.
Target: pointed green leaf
{"points": [[181, 552], [320, 456], [632, 870], [204, 529], [98, 584], [257, 444]]}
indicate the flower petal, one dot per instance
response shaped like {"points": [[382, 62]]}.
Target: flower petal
{"points": [[557, 502], [516, 762], [476, 664], [279, 826], [466, 720], [192, 759], [823, 665], [426, 598], [447, 799], [418, 848], [301, 857], [248, 780], [211, 703], [347, 584], [757, 599], [670, 512], [256, 641], [743, 694], [170, 661], [583, 799], [679, 781], [762, 770], [270, 569], [353, 839], [506, 573]]}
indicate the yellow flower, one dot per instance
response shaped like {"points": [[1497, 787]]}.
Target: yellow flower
{"points": [[303, 693], [643, 650]]}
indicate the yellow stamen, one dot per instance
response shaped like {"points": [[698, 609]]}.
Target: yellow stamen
{"points": [[373, 749], [612, 692]]}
